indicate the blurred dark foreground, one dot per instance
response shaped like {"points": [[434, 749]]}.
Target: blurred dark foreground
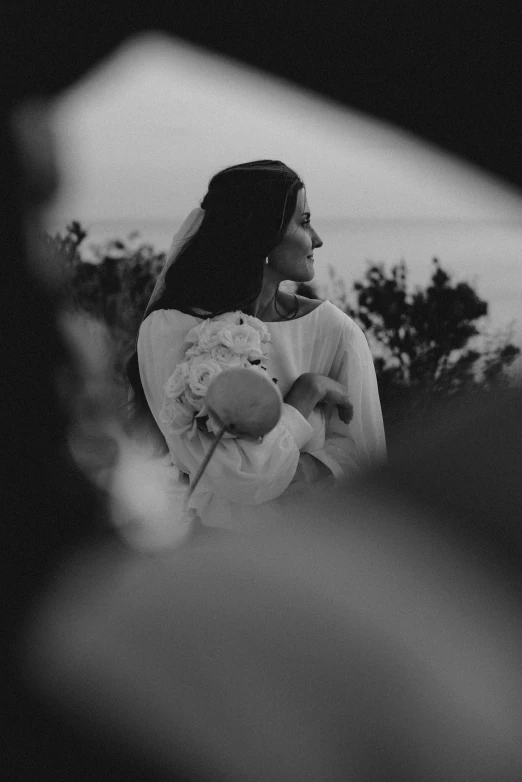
{"points": [[374, 636]]}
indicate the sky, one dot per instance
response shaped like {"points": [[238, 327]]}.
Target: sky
{"points": [[140, 136]]}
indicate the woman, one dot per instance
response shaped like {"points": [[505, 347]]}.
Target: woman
{"points": [[252, 232]]}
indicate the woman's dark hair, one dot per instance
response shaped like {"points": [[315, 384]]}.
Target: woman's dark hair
{"points": [[220, 269]]}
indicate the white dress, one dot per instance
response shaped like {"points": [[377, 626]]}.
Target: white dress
{"points": [[249, 483]]}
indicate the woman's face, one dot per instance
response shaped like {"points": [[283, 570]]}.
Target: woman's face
{"points": [[293, 259]]}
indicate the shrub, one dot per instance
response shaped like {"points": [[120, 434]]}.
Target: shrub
{"points": [[427, 344]]}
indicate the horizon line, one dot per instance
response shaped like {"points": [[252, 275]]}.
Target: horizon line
{"points": [[51, 219]]}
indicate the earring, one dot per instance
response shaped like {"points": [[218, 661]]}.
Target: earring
{"points": [[266, 261]]}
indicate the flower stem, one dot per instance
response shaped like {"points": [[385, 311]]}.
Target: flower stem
{"points": [[204, 463]]}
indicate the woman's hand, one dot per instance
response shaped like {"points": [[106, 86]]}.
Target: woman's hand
{"points": [[336, 394], [312, 389]]}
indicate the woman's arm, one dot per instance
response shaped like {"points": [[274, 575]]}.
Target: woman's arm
{"points": [[311, 389], [242, 470], [357, 374], [359, 443]]}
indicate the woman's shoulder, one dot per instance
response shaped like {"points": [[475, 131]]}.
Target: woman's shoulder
{"points": [[306, 305], [163, 333], [333, 314], [168, 320], [333, 320], [326, 313]]}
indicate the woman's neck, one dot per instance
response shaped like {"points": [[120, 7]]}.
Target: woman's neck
{"points": [[265, 306]]}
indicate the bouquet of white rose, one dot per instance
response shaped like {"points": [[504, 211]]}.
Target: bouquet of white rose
{"points": [[229, 341]]}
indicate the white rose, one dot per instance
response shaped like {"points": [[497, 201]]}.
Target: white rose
{"points": [[226, 357], [256, 354], [192, 401], [195, 331], [210, 336], [202, 370], [177, 382], [242, 339], [176, 415], [257, 324], [192, 351]]}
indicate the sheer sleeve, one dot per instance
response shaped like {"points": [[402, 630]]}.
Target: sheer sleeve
{"points": [[350, 448], [241, 470], [244, 471]]}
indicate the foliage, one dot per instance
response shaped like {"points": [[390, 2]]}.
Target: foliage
{"points": [[113, 288], [427, 343]]}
